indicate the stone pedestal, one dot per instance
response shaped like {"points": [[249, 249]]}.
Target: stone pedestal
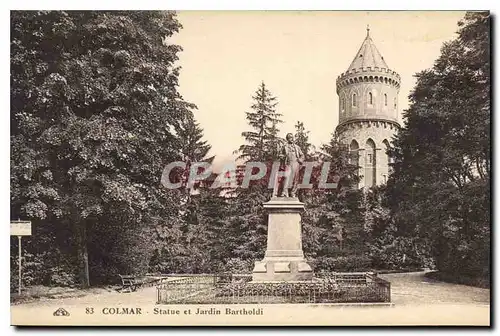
{"points": [[284, 259]]}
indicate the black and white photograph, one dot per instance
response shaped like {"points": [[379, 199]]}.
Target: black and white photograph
{"points": [[250, 168]]}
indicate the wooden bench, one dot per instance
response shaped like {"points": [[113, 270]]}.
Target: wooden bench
{"points": [[131, 282]]}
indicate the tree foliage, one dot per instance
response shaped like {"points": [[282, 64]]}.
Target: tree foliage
{"points": [[334, 234], [95, 115], [261, 139], [247, 219]]}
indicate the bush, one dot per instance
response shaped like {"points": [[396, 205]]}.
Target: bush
{"points": [[237, 265], [466, 257], [59, 276], [392, 252], [39, 269]]}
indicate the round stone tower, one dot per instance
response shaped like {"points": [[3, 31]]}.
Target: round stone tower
{"points": [[368, 112]]}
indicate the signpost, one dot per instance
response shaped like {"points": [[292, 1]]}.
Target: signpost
{"points": [[20, 228]]}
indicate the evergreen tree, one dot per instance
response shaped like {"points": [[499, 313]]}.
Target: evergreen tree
{"points": [[264, 121], [191, 256], [246, 217], [194, 148]]}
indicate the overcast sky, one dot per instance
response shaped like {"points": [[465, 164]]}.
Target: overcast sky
{"points": [[299, 56]]}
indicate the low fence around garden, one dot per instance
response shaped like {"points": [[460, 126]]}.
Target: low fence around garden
{"points": [[238, 288]]}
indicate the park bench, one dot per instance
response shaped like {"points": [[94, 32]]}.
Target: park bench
{"points": [[131, 282]]}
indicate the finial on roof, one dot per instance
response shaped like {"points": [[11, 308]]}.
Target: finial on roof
{"points": [[368, 55]]}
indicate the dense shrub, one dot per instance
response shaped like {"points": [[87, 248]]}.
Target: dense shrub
{"points": [[353, 263]]}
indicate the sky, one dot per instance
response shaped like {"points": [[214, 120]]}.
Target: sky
{"points": [[298, 55]]}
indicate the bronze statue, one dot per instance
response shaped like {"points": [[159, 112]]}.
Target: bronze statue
{"points": [[292, 158]]}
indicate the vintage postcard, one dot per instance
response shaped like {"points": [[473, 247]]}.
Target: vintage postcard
{"points": [[224, 168]]}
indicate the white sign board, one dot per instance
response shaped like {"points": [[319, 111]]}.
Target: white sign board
{"points": [[20, 228]]}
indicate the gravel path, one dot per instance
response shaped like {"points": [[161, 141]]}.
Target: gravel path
{"points": [[415, 289]]}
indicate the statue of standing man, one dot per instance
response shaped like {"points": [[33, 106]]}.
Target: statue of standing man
{"points": [[292, 158]]}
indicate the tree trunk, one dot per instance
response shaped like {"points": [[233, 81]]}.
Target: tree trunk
{"points": [[83, 258]]}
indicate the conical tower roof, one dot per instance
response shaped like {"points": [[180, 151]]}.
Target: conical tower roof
{"points": [[368, 55]]}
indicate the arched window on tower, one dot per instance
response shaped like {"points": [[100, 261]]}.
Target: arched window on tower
{"points": [[385, 99], [342, 104], [370, 98], [395, 104], [370, 164], [353, 99]]}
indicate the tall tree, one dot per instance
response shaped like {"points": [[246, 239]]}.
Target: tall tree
{"points": [[246, 217], [440, 187], [263, 120], [93, 103], [189, 256]]}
